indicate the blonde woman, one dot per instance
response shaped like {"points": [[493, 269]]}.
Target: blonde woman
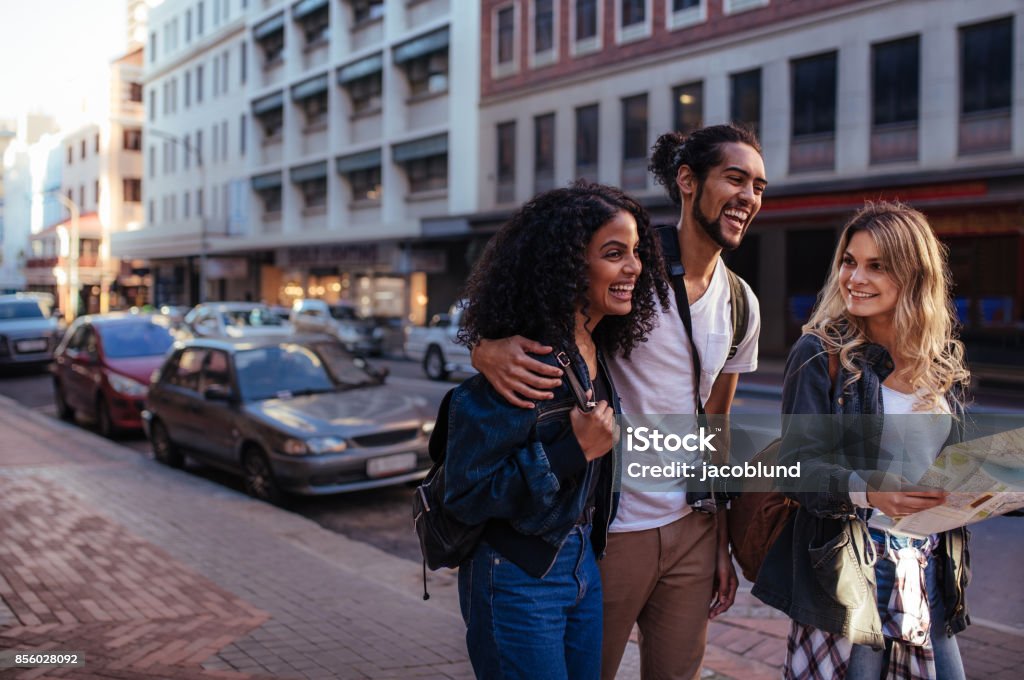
{"points": [[866, 602]]}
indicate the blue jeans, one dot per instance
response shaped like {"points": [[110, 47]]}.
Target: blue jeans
{"points": [[518, 626], [867, 663]]}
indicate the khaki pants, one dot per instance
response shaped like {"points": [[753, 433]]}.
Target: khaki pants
{"points": [[661, 579]]}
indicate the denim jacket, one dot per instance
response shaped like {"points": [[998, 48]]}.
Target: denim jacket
{"points": [[523, 469], [819, 570]]}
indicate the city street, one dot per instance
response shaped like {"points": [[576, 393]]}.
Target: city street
{"points": [[380, 517]]}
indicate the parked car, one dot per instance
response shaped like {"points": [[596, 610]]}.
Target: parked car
{"points": [[298, 416], [358, 335], [29, 329], [103, 366], [233, 320], [435, 345]]}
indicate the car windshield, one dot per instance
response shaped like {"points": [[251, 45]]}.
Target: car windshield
{"points": [[348, 370], [20, 310], [250, 317], [287, 369], [344, 314], [135, 339]]}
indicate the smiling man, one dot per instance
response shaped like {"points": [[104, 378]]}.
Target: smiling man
{"points": [[666, 567]]}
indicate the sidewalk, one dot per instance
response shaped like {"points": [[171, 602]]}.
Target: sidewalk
{"points": [[155, 573]]}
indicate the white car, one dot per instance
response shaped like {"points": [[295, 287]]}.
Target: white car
{"points": [[436, 345], [234, 320], [357, 335]]}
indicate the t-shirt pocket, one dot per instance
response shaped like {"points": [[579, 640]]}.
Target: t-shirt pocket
{"points": [[712, 359]]}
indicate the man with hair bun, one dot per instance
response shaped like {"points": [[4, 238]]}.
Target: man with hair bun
{"points": [[667, 567]]}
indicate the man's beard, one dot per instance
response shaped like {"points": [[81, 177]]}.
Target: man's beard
{"points": [[712, 229]]}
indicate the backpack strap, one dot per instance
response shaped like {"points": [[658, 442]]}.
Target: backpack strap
{"points": [[740, 310], [738, 302], [438, 444]]}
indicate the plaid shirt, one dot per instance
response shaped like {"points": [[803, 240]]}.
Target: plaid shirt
{"points": [[814, 654]]}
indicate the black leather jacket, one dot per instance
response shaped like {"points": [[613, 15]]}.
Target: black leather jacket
{"points": [[819, 570]]}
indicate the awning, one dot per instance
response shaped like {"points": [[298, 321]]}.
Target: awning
{"points": [[425, 44], [269, 26], [306, 173], [308, 88], [271, 180], [420, 148], [268, 103], [304, 7], [358, 161], [360, 69]]}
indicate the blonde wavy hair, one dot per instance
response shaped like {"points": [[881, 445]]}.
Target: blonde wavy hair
{"points": [[924, 318]]}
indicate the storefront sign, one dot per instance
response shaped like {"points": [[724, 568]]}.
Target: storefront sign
{"points": [[226, 268], [347, 256]]}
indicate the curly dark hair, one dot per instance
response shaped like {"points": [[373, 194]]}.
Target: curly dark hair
{"points": [[532, 275], [701, 150]]}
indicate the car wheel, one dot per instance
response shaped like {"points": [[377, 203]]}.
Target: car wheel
{"points": [[433, 364], [104, 422], [64, 410], [164, 450], [259, 478]]}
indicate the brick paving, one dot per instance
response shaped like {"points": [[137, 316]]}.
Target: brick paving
{"points": [[155, 573]]}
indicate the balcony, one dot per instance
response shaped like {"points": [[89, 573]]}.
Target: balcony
{"points": [[808, 153], [985, 131], [894, 142]]}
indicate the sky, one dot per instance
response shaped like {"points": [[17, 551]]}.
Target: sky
{"points": [[54, 53]]}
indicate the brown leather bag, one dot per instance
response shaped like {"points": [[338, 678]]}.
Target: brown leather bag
{"points": [[758, 515]]}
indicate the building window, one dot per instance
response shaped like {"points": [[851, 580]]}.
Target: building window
{"points": [[269, 35], [186, 204], [199, 202], [199, 84], [83, 146], [365, 93], [96, 143], [132, 139], [544, 152], [71, 154], [428, 74], [745, 106], [505, 45], [585, 20], [986, 86], [243, 58], [241, 135], [895, 86], [152, 161], [224, 140], [587, 141], [81, 196], [311, 97], [365, 185], [135, 92], [736, 6], [188, 25], [271, 122], [427, 174], [683, 13], [188, 89], [199, 154], [506, 188], [814, 113], [633, 12], [314, 193], [200, 15], [152, 47], [543, 26], [152, 105], [364, 11], [634, 142], [225, 63], [315, 25], [96, 192], [688, 107], [151, 212], [132, 189]]}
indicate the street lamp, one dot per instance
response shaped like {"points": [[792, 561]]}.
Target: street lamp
{"points": [[201, 209]]}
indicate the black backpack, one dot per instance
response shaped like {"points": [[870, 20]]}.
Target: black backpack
{"points": [[444, 540]]}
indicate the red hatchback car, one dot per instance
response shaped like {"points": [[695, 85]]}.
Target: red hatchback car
{"points": [[102, 368]]}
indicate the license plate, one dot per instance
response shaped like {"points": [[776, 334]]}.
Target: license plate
{"points": [[390, 465], [26, 346]]}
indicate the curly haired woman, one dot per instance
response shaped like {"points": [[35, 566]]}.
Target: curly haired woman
{"points": [[579, 269], [879, 350]]}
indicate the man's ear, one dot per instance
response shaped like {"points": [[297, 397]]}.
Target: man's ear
{"points": [[686, 181]]}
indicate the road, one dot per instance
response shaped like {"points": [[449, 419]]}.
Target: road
{"points": [[381, 516]]}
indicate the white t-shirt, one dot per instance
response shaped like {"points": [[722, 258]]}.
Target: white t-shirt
{"points": [[657, 379]]}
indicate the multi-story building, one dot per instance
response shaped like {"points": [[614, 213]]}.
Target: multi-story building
{"points": [[853, 99], [99, 171], [328, 130], [194, 184]]}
